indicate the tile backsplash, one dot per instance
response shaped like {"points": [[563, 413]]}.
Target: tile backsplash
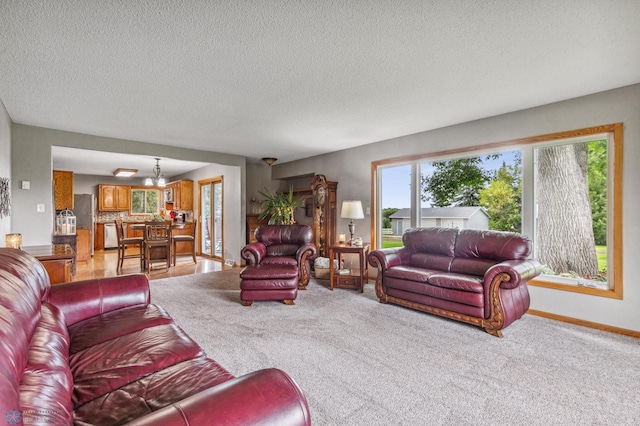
{"points": [[124, 215]]}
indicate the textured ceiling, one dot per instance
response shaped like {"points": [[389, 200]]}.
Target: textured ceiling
{"points": [[293, 79]]}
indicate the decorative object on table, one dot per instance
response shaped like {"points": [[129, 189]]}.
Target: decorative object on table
{"points": [[5, 197], [352, 209], [14, 241], [66, 223], [279, 206], [158, 178], [321, 267], [342, 238]]}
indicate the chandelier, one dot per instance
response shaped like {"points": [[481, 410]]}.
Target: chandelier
{"points": [[158, 179]]}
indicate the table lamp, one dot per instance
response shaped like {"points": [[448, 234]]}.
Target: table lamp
{"points": [[14, 241], [351, 209]]}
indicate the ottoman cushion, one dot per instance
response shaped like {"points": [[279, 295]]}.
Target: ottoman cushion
{"points": [[269, 272]]}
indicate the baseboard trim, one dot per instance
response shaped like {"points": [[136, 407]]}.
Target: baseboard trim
{"points": [[584, 323]]}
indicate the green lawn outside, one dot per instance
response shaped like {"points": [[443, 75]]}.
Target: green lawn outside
{"points": [[601, 254], [391, 243]]}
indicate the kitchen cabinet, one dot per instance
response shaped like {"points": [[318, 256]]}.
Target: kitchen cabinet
{"points": [[63, 189], [114, 197], [98, 241], [182, 195], [83, 243], [133, 233]]}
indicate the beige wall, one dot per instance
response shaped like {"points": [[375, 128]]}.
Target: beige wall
{"points": [[352, 169], [5, 164]]}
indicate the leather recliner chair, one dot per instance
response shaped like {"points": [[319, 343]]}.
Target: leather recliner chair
{"points": [[283, 245]]}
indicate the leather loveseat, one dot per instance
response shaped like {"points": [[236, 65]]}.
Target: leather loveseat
{"points": [[98, 353], [478, 277]]}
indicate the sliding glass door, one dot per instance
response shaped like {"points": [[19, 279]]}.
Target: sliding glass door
{"points": [[211, 208]]}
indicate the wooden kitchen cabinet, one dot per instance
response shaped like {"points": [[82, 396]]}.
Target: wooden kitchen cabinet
{"points": [[63, 189], [114, 197], [182, 195], [83, 244], [98, 240]]}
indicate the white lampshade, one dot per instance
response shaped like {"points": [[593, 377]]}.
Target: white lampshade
{"points": [[351, 209]]}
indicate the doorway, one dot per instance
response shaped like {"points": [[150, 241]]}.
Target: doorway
{"points": [[210, 238]]}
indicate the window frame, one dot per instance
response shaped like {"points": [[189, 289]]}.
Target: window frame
{"points": [[146, 190], [614, 133]]}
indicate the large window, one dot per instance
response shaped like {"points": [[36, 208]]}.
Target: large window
{"points": [[562, 190], [145, 201]]}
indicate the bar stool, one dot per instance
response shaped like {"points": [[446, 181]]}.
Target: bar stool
{"points": [[188, 239], [122, 246], [157, 243]]}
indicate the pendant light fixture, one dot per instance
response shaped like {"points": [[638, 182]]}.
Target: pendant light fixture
{"points": [[158, 179]]}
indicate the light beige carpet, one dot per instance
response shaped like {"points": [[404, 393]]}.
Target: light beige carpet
{"points": [[360, 362]]}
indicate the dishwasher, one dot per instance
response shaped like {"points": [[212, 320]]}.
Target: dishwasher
{"points": [[110, 236]]}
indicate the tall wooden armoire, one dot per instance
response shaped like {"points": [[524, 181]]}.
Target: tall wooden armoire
{"points": [[324, 213]]}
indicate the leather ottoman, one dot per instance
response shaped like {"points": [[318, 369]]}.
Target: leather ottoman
{"points": [[269, 282]]}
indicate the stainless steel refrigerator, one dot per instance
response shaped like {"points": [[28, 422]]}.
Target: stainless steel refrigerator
{"points": [[84, 208]]}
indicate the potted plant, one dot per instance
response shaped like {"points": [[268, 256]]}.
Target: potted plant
{"points": [[279, 206]]}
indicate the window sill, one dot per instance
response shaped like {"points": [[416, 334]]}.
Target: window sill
{"points": [[548, 283]]}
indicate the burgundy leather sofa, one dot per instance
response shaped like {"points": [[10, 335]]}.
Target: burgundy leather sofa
{"points": [[283, 245], [478, 277], [98, 353]]}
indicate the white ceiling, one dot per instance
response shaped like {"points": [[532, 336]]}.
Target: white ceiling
{"points": [[293, 79], [83, 161]]}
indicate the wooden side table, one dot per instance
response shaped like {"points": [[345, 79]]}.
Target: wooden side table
{"points": [[56, 259], [356, 278]]}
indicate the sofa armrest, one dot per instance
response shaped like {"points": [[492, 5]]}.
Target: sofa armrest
{"points": [[268, 397], [306, 251], [254, 252], [519, 271], [386, 258], [80, 300]]}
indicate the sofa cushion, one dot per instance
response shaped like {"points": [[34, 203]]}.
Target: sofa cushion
{"points": [[440, 241], [153, 392], [492, 245], [282, 250], [410, 273], [280, 260], [113, 324], [431, 261], [284, 234], [477, 267], [46, 385], [265, 272], [109, 365], [413, 287], [457, 282]]}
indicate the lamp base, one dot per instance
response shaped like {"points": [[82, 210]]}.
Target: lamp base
{"points": [[352, 230]]}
